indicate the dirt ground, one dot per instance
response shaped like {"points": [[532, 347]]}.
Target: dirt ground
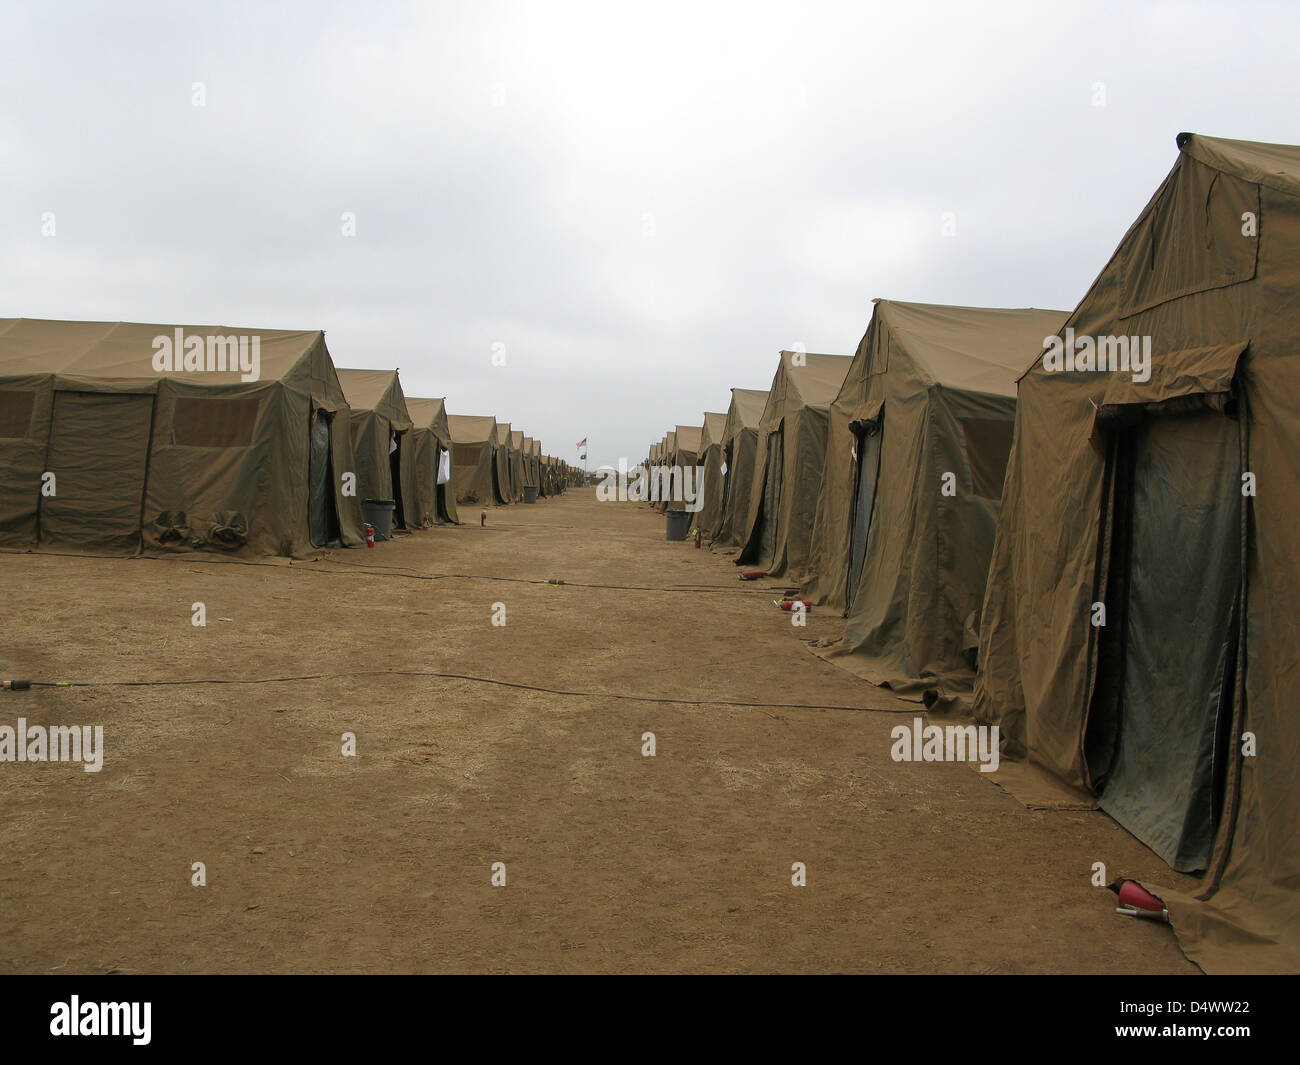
{"points": [[615, 862]]}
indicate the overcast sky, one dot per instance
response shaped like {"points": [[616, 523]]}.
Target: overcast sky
{"points": [[642, 202]]}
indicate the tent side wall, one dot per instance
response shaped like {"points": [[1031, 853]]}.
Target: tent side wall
{"points": [[26, 406], [223, 465]]}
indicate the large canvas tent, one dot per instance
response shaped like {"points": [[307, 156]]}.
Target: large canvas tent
{"points": [[709, 517], [1167, 497], [435, 474], [919, 438], [146, 453], [685, 457], [530, 471], [382, 442], [509, 454], [687, 439], [739, 455], [475, 468], [517, 461], [791, 449]]}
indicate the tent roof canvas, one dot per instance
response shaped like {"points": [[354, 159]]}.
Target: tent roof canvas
{"points": [[125, 350], [472, 428], [978, 349]]}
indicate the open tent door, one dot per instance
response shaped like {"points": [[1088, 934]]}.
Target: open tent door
{"points": [[322, 515], [864, 504], [442, 478], [99, 456], [395, 470], [1157, 737]]}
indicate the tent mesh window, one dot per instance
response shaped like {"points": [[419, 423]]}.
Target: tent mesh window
{"points": [[15, 413], [203, 421], [988, 448]]}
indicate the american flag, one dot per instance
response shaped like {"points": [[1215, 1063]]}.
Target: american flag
{"points": [[582, 443]]}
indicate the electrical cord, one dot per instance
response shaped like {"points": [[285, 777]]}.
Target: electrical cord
{"points": [[388, 571], [24, 685]]}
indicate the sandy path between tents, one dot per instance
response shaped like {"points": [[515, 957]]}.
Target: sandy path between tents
{"points": [[615, 862]]}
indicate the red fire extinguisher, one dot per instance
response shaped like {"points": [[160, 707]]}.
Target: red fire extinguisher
{"points": [[370, 535], [482, 520], [697, 538]]}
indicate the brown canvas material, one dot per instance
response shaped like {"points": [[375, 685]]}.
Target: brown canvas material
{"points": [[1217, 297], [687, 438], [937, 384], [474, 465], [797, 410], [214, 461], [432, 435], [517, 461], [740, 440], [709, 517], [378, 411]]}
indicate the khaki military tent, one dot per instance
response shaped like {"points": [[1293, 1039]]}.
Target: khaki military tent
{"points": [[688, 445], [383, 443], [788, 464], [667, 458], [153, 440], [474, 465], [685, 458], [520, 470], [919, 438], [739, 455], [1165, 493], [532, 471], [657, 459], [709, 517], [509, 455], [436, 480]]}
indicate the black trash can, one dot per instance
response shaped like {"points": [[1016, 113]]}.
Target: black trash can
{"points": [[679, 524], [378, 513]]}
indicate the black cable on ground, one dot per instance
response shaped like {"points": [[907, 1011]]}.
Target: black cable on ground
{"points": [[20, 685], [388, 571]]}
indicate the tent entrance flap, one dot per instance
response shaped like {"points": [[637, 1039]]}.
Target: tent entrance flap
{"points": [[1156, 738], [864, 503], [322, 514], [99, 456], [771, 501]]}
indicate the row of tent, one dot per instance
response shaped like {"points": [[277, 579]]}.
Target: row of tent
{"points": [[120, 436], [1082, 522]]}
